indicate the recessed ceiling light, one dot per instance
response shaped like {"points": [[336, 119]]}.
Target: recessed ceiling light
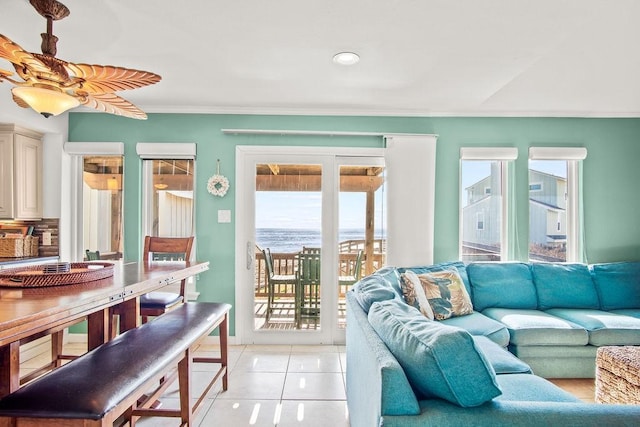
{"points": [[346, 58]]}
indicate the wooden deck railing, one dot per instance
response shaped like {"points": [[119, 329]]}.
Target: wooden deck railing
{"points": [[285, 263]]}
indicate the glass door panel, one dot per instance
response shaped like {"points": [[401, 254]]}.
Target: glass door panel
{"points": [[288, 227], [361, 231]]}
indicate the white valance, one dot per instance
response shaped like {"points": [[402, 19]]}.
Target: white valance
{"points": [[488, 153], [94, 148], [557, 153], [166, 150]]}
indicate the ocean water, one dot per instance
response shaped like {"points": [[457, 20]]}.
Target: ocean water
{"points": [[291, 240]]}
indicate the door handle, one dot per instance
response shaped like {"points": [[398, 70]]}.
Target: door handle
{"points": [[250, 255]]}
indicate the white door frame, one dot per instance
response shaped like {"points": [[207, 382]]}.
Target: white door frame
{"points": [[246, 159]]}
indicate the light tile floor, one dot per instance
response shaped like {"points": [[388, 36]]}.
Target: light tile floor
{"points": [[277, 385]]}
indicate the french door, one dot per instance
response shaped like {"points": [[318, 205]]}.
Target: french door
{"points": [[310, 222]]}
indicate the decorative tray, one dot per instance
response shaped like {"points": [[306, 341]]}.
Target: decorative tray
{"points": [[55, 274]]}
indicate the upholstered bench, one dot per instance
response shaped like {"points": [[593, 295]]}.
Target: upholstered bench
{"points": [[618, 375], [106, 383]]}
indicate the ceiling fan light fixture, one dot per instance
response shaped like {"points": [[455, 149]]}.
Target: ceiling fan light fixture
{"points": [[48, 102], [346, 58]]}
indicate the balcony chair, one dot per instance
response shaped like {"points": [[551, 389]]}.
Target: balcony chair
{"points": [[308, 288], [92, 255], [345, 282], [274, 282]]}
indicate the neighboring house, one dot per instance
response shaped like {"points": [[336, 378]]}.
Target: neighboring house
{"points": [[547, 217]]}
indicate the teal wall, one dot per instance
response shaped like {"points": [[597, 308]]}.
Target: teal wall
{"points": [[611, 173]]}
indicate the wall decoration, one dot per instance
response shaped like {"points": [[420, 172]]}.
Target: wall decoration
{"points": [[218, 185]]}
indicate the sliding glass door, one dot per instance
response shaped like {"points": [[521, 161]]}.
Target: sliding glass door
{"points": [[305, 223]]}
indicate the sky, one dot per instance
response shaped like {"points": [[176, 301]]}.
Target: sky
{"points": [[292, 209]]}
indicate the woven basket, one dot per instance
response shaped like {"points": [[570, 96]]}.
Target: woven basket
{"points": [[618, 375], [34, 276], [15, 247]]}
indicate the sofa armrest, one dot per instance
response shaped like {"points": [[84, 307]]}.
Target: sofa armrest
{"points": [[376, 383]]}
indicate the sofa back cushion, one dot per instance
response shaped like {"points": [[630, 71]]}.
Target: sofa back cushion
{"points": [[439, 360], [618, 284], [564, 286], [371, 289], [503, 285]]}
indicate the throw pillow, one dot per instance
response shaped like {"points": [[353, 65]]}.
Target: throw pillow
{"points": [[439, 360], [414, 294], [444, 290]]}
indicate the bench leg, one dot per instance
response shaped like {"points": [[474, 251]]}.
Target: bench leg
{"points": [[184, 381]]}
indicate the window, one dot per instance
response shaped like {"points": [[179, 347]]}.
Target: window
{"points": [[555, 225], [167, 193], [102, 205], [480, 221], [483, 203], [96, 221]]}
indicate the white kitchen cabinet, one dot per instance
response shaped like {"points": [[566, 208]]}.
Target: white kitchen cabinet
{"points": [[20, 173]]}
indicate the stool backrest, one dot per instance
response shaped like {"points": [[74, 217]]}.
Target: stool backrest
{"points": [[173, 248]]}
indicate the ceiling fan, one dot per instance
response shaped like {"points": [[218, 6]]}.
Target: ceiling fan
{"points": [[52, 86]]}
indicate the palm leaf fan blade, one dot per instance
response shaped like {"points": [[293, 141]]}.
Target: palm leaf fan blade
{"points": [[97, 79], [112, 104]]}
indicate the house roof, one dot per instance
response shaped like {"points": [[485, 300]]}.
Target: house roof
{"points": [[460, 57]]}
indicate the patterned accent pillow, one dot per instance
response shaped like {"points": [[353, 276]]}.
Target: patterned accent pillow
{"points": [[444, 290], [414, 294]]}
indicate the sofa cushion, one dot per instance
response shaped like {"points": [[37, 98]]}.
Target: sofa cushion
{"points": [[535, 327], [504, 285], [564, 285], [633, 312], [371, 289], [531, 388], [618, 284], [443, 291], [458, 265], [477, 324], [604, 328], [393, 277], [500, 359], [439, 360]]}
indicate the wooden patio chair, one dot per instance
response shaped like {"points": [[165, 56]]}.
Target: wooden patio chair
{"points": [[345, 282], [308, 288], [92, 255], [274, 281]]}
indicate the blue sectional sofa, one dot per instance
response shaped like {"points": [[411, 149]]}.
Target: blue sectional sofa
{"points": [[486, 368]]}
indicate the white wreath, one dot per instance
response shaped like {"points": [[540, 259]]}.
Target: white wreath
{"points": [[218, 185]]}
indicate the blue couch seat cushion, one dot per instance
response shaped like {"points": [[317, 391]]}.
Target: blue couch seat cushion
{"points": [[500, 359], [535, 327], [633, 312], [503, 285], [604, 328], [564, 285], [617, 284], [531, 388], [439, 360], [479, 324]]}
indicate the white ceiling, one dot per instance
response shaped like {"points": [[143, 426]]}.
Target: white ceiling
{"points": [[418, 57]]}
